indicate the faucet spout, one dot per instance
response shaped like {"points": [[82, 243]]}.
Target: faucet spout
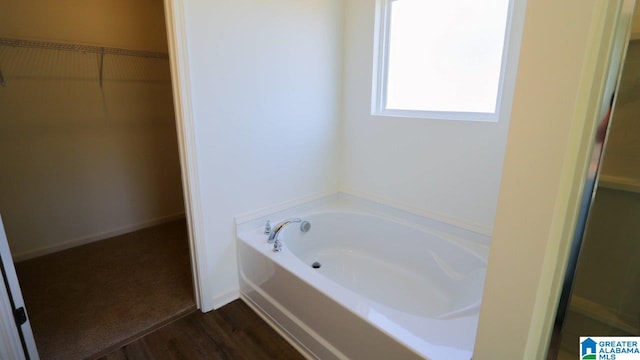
{"points": [[273, 235]]}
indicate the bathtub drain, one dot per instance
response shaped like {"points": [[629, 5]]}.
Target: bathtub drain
{"points": [[316, 265]]}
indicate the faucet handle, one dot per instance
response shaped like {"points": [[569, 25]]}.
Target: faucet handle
{"points": [[267, 227], [277, 246]]}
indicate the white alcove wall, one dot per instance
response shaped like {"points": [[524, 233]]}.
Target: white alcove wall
{"points": [[281, 93], [265, 93], [446, 169]]}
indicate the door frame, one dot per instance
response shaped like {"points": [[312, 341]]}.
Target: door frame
{"points": [[185, 127]]}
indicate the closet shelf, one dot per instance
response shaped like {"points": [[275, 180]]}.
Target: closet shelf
{"points": [[80, 48]]}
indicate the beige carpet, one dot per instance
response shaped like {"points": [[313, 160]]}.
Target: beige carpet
{"points": [[90, 300]]}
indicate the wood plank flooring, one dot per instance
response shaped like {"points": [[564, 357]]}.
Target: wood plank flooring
{"points": [[231, 332]]}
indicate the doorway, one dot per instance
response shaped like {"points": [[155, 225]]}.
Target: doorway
{"points": [[89, 146]]}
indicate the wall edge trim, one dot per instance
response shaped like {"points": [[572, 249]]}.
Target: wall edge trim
{"points": [[185, 126]]}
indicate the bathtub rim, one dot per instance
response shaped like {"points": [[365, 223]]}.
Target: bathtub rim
{"points": [[453, 239], [470, 239], [252, 223]]}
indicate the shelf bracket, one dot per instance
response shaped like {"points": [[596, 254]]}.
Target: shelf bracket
{"points": [[101, 65]]}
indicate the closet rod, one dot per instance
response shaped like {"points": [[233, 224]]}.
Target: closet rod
{"points": [[81, 48]]}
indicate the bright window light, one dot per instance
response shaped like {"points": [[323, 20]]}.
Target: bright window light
{"points": [[441, 58]]}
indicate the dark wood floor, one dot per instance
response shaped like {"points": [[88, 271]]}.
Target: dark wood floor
{"points": [[231, 332]]}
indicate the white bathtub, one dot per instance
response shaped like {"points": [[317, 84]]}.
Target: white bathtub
{"points": [[385, 289]]}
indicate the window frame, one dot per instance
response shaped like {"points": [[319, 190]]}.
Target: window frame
{"points": [[380, 74]]}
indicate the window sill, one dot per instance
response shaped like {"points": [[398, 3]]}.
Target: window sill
{"points": [[437, 115]]}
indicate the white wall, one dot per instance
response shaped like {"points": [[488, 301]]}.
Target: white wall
{"points": [[265, 96], [81, 162], [449, 170]]}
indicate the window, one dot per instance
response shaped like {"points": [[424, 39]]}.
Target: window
{"points": [[440, 59]]}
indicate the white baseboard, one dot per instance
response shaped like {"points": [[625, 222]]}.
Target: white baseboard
{"points": [[604, 314], [45, 250], [619, 183], [225, 298]]}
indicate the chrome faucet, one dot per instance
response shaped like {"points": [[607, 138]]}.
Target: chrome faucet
{"points": [[273, 234]]}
